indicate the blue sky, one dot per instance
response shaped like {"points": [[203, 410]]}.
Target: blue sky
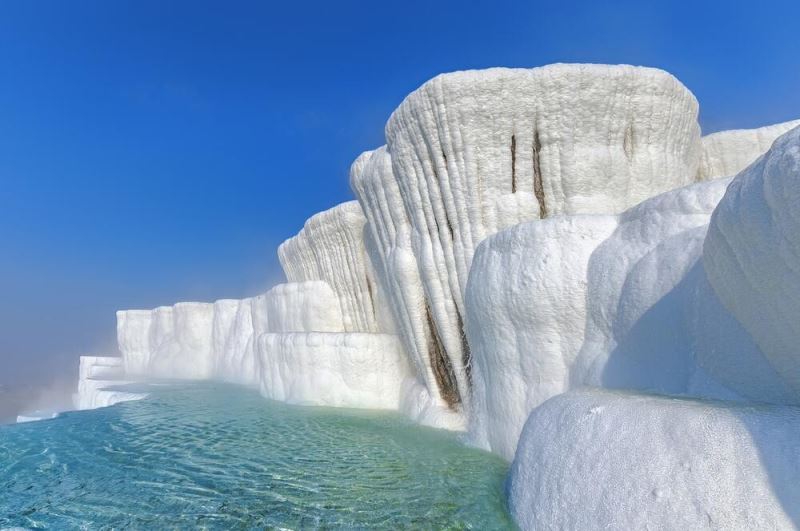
{"points": [[154, 151]]}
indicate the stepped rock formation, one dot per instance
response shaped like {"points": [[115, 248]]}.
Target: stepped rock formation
{"points": [[99, 383], [330, 369], [594, 459], [475, 152], [388, 235], [525, 234], [331, 248], [752, 256], [728, 152]]}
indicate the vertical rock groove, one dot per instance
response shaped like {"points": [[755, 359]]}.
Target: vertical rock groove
{"points": [[440, 363], [627, 143], [538, 187], [513, 164]]}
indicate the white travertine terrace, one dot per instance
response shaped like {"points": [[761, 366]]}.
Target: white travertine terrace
{"points": [[202, 341], [99, 378], [526, 234], [569, 301], [309, 306], [331, 248], [526, 314], [398, 273], [330, 369], [594, 459], [728, 152], [475, 152], [752, 256]]}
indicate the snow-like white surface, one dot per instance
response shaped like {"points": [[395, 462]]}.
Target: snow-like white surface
{"points": [[201, 341], [525, 234], [639, 296], [309, 306], [526, 315], [330, 247], [417, 403], [752, 256], [290, 341], [328, 369], [475, 152], [93, 394], [728, 152], [99, 381], [388, 231], [100, 368], [595, 459], [589, 299], [36, 416]]}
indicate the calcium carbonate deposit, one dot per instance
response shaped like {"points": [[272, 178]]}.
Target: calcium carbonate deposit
{"points": [[555, 262]]}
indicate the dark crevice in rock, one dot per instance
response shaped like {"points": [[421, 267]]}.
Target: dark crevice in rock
{"points": [[442, 369], [538, 186], [371, 296], [449, 225], [627, 143], [466, 355], [513, 164]]}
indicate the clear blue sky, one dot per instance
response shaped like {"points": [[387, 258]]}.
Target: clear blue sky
{"points": [[157, 151]]}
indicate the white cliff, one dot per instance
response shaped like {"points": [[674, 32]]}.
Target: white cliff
{"points": [[333, 369], [388, 236], [475, 152], [752, 260], [526, 234], [596, 459], [728, 152], [101, 383], [330, 248]]}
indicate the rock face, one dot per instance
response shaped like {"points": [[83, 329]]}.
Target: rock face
{"points": [[290, 341], [524, 235], [99, 382], [526, 315], [329, 369], [752, 257], [388, 236], [652, 321], [201, 341], [594, 459], [728, 152], [331, 248], [475, 152]]}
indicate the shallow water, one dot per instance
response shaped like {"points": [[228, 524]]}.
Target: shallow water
{"points": [[218, 456]]}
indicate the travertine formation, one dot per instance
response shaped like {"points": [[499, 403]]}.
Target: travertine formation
{"points": [[100, 383], [475, 152], [202, 341], [389, 237], [525, 234], [330, 369], [752, 257], [593, 459], [728, 152], [331, 248]]}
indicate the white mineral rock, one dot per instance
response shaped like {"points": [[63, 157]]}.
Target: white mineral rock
{"points": [[752, 256], [475, 152], [99, 383], [330, 247], [595, 459], [728, 152], [397, 272], [329, 369]]}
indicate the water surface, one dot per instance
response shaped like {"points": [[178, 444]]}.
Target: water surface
{"points": [[218, 456]]}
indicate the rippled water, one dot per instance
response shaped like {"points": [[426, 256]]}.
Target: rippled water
{"points": [[219, 456]]}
